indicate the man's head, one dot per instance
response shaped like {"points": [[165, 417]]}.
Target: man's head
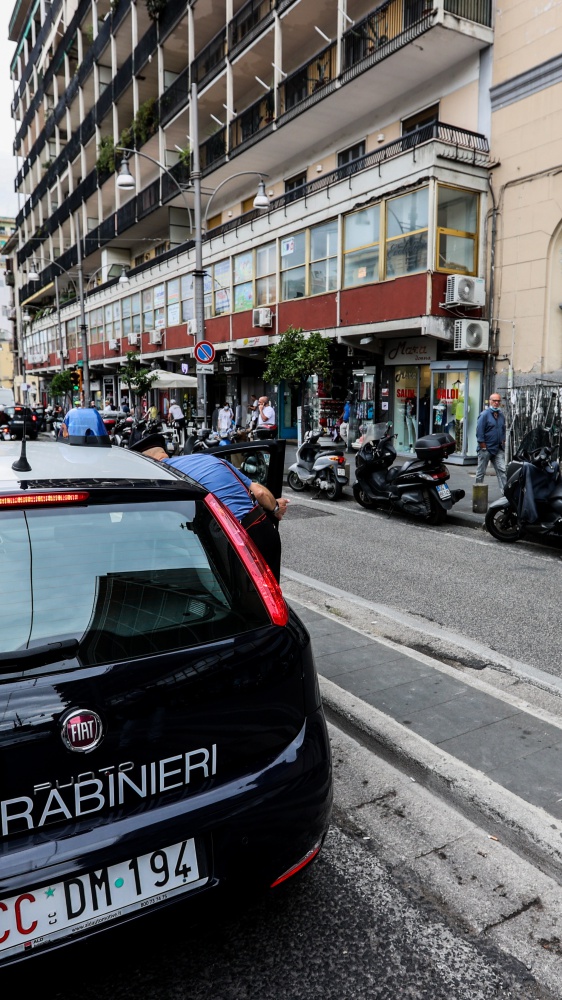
{"points": [[153, 446], [495, 401], [173, 402], [263, 400]]}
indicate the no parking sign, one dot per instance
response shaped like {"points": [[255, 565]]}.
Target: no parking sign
{"points": [[204, 352]]}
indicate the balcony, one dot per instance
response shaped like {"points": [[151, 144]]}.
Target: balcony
{"points": [[250, 20]]}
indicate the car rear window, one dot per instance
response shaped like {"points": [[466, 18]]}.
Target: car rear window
{"points": [[125, 580]]}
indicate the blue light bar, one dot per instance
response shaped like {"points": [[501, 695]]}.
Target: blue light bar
{"points": [[84, 427]]}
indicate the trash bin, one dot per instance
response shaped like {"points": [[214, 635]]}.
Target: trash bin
{"points": [[480, 498]]}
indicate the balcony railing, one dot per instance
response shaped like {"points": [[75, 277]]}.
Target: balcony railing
{"points": [[252, 120], [473, 10], [175, 97], [249, 21], [213, 149], [311, 79], [210, 60]]}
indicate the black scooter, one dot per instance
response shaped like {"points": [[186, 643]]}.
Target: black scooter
{"points": [[418, 487], [532, 500]]}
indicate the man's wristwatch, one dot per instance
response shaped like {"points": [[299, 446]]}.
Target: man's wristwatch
{"points": [[275, 509]]}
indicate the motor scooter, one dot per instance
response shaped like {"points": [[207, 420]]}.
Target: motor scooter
{"points": [[532, 502], [418, 487], [323, 468]]}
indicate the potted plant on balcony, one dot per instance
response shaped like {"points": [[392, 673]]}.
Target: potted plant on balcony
{"points": [[155, 8]]}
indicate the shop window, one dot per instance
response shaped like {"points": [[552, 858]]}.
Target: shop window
{"points": [[243, 281], [323, 267], [293, 269], [361, 247], [406, 233], [457, 230], [266, 274], [221, 283], [456, 406], [352, 153], [147, 309], [136, 312], [187, 298]]}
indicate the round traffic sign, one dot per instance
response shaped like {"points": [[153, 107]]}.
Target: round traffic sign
{"points": [[204, 352]]}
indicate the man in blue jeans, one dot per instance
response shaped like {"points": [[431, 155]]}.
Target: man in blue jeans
{"points": [[490, 434]]}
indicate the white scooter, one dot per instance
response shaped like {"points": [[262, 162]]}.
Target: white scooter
{"points": [[322, 468]]}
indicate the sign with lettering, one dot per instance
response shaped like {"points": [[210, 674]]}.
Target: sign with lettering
{"points": [[410, 351]]}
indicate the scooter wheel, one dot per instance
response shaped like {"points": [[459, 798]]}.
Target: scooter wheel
{"points": [[295, 483], [502, 523], [363, 499], [334, 489]]}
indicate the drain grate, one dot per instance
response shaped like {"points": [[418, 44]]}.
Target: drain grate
{"points": [[299, 510]]}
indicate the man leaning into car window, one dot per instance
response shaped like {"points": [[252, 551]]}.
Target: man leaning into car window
{"points": [[247, 500]]}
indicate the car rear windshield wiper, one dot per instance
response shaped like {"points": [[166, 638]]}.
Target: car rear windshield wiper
{"points": [[36, 655]]}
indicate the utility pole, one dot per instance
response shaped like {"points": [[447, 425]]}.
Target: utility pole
{"points": [[83, 327]]}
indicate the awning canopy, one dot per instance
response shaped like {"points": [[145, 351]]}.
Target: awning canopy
{"points": [[169, 380]]}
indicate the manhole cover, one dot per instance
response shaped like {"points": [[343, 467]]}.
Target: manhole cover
{"points": [[299, 510]]}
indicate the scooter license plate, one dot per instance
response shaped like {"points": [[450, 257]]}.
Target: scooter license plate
{"points": [[443, 491]]}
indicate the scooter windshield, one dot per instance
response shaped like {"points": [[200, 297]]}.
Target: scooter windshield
{"points": [[538, 437]]}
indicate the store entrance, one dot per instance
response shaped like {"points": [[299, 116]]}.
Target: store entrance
{"points": [[411, 406]]}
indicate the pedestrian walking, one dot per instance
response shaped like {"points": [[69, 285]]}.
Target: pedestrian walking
{"points": [[251, 503], [224, 420], [490, 434]]}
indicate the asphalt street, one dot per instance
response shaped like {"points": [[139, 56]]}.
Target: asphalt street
{"points": [[506, 597]]}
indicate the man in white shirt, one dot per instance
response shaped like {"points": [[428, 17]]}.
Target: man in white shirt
{"points": [[175, 413], [267, 425]]}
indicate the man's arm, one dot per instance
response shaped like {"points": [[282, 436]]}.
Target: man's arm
{"points": [[266, 500]]}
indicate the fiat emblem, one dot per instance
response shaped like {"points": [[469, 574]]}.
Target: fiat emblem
{"points": [[81, 730]]}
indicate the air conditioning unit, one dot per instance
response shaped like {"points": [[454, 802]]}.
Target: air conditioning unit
{"points": [[464, 291], [262, 317], [471, 335], [133, 338], [112, 344], [192, 327], [155, 337]]}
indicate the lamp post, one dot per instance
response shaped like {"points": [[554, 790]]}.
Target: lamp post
{"points": [[126, 181]]}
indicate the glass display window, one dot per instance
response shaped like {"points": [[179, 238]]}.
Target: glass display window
{"points": [[406, 233], [457, 230], [406, 395], [361, 247], [293, 269], [456, 405], [221, 273], [323, 267]]}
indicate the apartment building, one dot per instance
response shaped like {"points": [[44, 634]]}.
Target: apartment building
{"points": [[6, 310], [369, 125], [526, 180]]}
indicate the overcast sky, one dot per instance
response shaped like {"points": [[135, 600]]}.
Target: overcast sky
{"points": [[8, 163]]}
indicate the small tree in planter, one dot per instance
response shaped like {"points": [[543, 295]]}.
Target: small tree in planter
{"points": [[295, 358], [138, 379], [62, 384]]}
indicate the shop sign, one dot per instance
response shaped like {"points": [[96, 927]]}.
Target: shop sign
{"points": [[228, 363], [410, 351], [252, 342], [446, 395]]}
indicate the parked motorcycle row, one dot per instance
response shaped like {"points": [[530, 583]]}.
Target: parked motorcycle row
{"points": [[417, 487]]}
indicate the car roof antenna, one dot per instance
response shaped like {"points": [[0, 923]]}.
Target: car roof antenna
{"points": [[22, 465]]}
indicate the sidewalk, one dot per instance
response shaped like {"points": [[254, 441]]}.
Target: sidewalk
{"points": [[462, 477], [484, 749]]}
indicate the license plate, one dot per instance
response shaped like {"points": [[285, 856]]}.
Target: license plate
{"points": [[443, 491], [64, 908]]}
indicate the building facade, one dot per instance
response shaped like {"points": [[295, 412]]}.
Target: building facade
{"points": [[369, 124]]}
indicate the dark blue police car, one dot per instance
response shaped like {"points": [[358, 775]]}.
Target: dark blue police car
{"points": [[161, 732]]}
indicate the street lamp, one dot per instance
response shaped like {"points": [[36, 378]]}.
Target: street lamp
{"points": [[126, 182]]}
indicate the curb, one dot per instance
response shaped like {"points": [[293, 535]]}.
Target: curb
{"points": [[527, 830]]}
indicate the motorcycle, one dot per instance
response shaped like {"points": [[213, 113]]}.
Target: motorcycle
{"points": [[144, 426], [418, 487], [532, 500], [122, 429], [322, 468]]}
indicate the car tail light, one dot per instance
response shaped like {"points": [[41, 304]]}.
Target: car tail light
{"points": [[296, 868], [41, 499], [33, 417], [262, 577]]}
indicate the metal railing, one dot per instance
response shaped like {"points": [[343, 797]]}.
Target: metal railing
{"points": [[252, 18], [312, 78], [472, 10], [250, 121], [210, 61], [174, 97], [213, 149]]}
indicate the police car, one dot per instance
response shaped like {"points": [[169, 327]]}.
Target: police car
{"points": [[161, 732]]}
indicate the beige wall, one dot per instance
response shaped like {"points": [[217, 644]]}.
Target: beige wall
{"points": [[526, 34]]}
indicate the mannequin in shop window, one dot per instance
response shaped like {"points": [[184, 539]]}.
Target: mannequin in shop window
{"points": [[410, 417]]}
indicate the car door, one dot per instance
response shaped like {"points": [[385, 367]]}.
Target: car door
{"points": [[262, 461]]}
